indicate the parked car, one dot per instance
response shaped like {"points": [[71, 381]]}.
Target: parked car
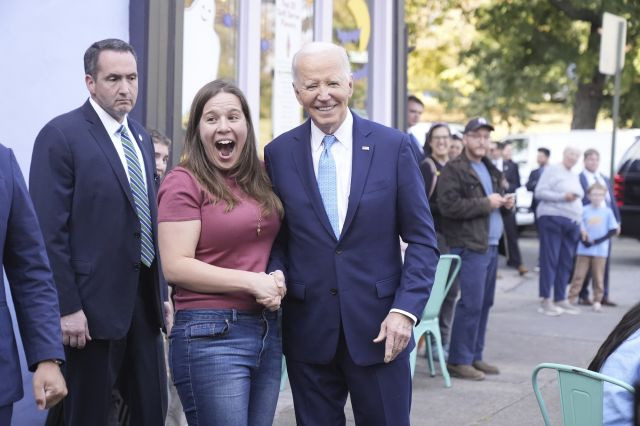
{"points": [[626, 188]]}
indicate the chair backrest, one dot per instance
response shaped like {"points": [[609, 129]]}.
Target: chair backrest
{"points": [[445, 275], [581, 394]]}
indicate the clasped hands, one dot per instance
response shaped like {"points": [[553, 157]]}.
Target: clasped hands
{"points": [[497, 201], [270, 289]]}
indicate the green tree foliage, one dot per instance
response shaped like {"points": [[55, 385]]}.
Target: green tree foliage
{"points": [[525, 52]]}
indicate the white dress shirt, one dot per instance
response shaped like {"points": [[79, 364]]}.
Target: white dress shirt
{"points": [[112, 126], [597, 177], [342, 152]]}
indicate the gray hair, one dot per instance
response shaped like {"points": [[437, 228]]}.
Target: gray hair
{"points": [[93, 52], [317, 47]]}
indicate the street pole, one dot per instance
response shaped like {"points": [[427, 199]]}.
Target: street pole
{"points": [[616, 98]]}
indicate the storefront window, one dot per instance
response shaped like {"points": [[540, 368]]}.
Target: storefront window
{"points": [[209, 48], [352, 30], [286, 25]]}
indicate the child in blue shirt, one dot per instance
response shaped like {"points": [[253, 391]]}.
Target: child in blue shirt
{"points": [[598, 225]]}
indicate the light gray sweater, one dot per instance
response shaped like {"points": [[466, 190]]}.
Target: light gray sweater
{"points": [[554, 183]]}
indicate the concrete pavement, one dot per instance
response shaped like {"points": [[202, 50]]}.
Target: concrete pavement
{"points": [[518, 338]]}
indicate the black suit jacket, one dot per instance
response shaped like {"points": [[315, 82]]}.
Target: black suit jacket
{"points": [[89, 222], [511, 174]]}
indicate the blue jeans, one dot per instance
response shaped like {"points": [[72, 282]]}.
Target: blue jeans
{"points": [[558, 239], [226, 366], [477, 291]]}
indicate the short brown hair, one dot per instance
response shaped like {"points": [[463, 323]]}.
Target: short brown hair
{"points": [[157, 137], [590, 152]]}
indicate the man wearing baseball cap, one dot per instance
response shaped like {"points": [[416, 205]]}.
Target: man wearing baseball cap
{"points": [[472, 200]]}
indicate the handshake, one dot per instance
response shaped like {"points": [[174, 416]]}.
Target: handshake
{"points": [[270, 289]]}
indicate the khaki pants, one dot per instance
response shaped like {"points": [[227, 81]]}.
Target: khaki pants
{"points": [[583, 264]]}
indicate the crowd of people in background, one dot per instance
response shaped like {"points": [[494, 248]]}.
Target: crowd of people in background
{"points": [[239, 262]]}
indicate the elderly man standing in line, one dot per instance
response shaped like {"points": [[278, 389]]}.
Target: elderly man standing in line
{"points": [[350, 189], [93, 189], [559, 213], [472, 201]]}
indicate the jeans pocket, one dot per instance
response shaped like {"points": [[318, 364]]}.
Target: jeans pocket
{"points": [[209, 329]]}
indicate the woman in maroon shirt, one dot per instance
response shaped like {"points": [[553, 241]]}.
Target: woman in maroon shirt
{"points": [[218, 219]]}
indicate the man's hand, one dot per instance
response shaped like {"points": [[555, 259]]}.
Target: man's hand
{"points": [[278, 275], [509, 201], [570, 196], [49, 386], [75, 330], [168, 316], [396, 329], [495, 200]]}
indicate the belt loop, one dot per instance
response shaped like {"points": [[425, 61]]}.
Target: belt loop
{"points": [[234, 315]]}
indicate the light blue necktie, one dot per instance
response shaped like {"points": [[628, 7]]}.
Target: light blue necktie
{"points": [[327, 182], [140, 197]]}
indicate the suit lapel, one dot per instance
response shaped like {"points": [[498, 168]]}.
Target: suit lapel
{"points": [[362, 153], [103, 140], [301, 153]]}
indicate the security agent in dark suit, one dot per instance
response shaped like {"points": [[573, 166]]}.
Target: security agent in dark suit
{"points": [[534, 176], [24, 259], [92, 186], [512, 176]]}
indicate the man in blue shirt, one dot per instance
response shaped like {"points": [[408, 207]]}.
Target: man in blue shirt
{"points": [[472, 201]]}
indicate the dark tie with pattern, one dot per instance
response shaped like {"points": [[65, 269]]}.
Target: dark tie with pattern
{"points": [[140, 197]]}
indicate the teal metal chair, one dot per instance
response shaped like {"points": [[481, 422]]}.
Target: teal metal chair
{"points": [[580, 394], [446, 273], [284, 377]]}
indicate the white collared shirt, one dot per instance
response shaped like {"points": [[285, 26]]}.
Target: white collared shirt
{"points": [[112, 126], [597, 177], [342, 152]]}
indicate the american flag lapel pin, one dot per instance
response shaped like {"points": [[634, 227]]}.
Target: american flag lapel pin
{"points": [[365, 148]]}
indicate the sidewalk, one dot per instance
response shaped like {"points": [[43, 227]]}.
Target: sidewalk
{"points": [[518, 338]]}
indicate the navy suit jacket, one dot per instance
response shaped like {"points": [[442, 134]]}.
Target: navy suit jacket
{"points": [[352, 282], [511, 174], [24, 259], [89, 222], [611, 203]]}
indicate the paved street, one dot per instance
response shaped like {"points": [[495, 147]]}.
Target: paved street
{"points": [[518, 338]]}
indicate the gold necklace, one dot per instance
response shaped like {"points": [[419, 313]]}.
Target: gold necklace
{"points": [[259, 228]]}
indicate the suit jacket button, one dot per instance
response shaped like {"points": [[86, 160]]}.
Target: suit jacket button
{"points": [[333, 291], [338, 251]]}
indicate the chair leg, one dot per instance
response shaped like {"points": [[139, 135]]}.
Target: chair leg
{"points": [[432, 370], [412, 360], [284, 377], [441, 360]]}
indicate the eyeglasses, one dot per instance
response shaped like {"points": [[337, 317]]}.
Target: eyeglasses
{"points": [[440, 138]]}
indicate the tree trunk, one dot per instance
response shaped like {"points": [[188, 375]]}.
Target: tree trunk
{"points": [[587, 103]]}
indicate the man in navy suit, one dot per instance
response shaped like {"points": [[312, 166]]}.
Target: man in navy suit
{"points": [[93, 189], [24, 259], [350, 188], [542, 160], [415, 107], [588, 177]]}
